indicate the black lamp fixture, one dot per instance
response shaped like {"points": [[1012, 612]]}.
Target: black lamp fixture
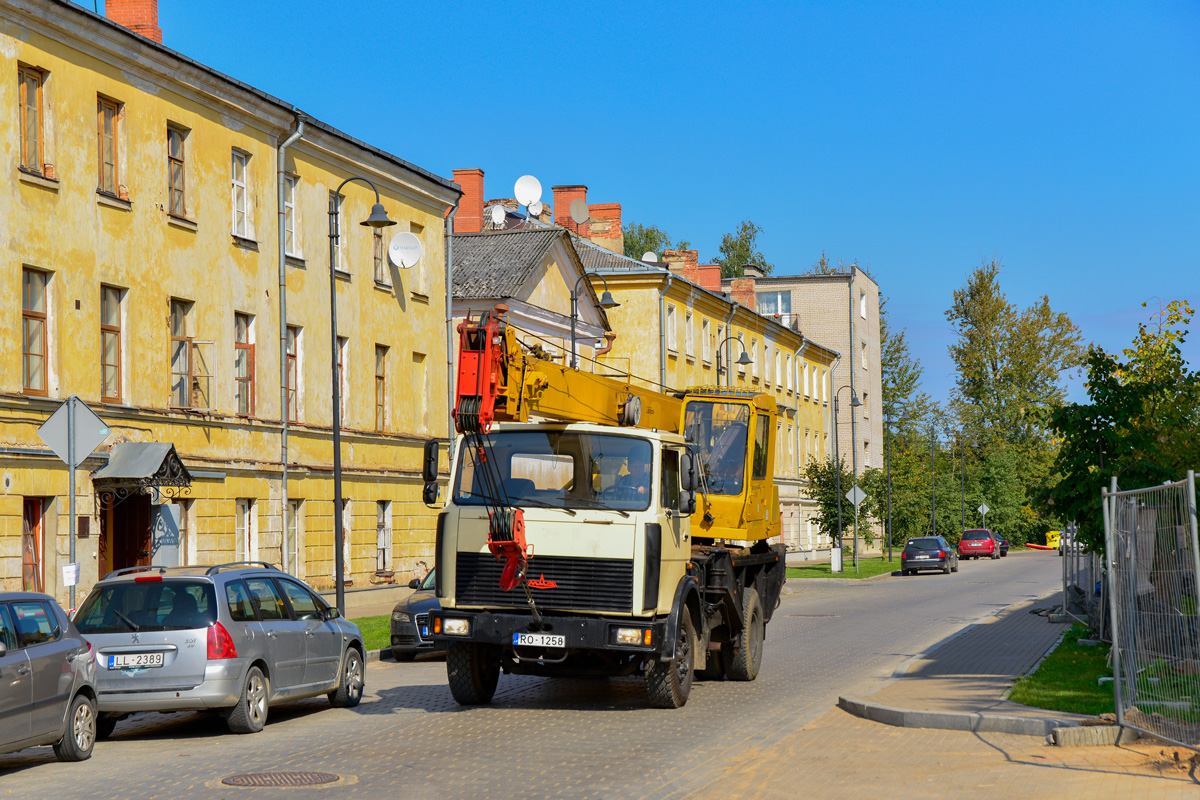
{"points": [[606, 302]]}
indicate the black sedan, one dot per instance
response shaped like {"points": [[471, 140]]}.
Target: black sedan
{"points": [[410, 621], [1001, 544], [928, 552]]}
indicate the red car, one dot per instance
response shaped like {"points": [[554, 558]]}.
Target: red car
{"points": [[978, 542]]}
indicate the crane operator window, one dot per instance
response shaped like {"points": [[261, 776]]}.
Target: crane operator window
{"points": [[558, 469], [719, 431]]}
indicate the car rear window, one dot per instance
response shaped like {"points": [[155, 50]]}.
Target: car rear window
{"points": [[151, 606], [976, 535], [925, 544]]}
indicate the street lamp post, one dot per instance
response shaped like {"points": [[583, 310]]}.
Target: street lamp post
{"points": [[887, 443], [377, 219], [962, 470], [932, 479], [837, 458], [743, 359], [606, 302]]}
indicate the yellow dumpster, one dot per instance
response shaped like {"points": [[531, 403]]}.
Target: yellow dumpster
{"points": [[1053, 539]]}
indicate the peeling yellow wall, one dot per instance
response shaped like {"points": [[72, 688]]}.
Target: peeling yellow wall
{"points": [[83, 239]]}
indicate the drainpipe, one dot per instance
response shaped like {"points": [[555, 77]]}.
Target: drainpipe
{"points": [[662, 333], [796, 404], [281, 169], [728, 334], [451, 344]]}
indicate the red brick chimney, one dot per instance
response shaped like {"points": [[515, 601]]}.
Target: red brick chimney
{"points": [[139, 16], [742, 291], [605, 226], [469, 218], [563, 197]]}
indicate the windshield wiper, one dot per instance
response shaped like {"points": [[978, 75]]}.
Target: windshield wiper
{"points": [[601, 507], [128, 621], [542, 504]]}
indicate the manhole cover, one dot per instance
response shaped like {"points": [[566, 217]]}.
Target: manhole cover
{"points": [[280, 779]]}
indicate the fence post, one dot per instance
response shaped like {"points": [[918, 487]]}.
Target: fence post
{"points": [[1191, 495], [1109, 523]]}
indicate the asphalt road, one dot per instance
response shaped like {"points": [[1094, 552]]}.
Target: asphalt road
{"points": [[545, 738]]}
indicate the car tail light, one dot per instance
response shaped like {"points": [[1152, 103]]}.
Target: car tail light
{"points": [[903, 556], [941, 553], [220, 643], [148, 579]]}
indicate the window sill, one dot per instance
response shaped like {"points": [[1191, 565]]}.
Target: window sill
{"points": [[383, 287], [182, 223], [341, 274], [33, 179], [112, 201], [417, 297], [295, 261], [245, 243]]}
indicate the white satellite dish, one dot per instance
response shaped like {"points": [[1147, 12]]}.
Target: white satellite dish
{"points": [[405, 250], [498, 214], [535, 209], [580, 212], [528, 190], [650, 256]]}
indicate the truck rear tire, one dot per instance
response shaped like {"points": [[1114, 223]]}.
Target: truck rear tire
{"points": [[745, 652], [669, 683], [473, 671]]}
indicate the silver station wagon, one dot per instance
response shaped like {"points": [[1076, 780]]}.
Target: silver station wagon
{"points": [[234, 638]]}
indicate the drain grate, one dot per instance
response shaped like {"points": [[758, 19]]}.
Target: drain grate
{"points": [[281, 779]]}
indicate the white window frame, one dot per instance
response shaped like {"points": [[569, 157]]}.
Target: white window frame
{"points": [[672, 333], [705, 341], [291, 216], [383, 536], [790, 378], [339, 252], [778, 361], [862, 304], [754, 357], [245, 530], [689, 335], [246, 231]]}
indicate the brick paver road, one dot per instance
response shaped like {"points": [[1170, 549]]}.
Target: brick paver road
{"points": [[543, 738]]}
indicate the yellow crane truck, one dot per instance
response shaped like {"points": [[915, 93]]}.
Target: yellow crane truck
{"points": [[594, 527]]}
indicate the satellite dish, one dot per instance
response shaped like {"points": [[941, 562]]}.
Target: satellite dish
{"points": [[535, 209], [580, 212], [650, 256], [528, 190], [405, 250], [498, 214]]}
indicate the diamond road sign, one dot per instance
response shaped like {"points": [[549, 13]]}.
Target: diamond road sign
{"points": [[983, 509], [90, 431], [856, 495]]}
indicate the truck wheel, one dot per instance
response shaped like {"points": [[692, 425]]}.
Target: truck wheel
{"points": [[473, 671], [745, 655], [668, 683]]}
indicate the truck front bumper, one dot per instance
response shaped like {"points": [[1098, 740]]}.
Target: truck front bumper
{"points": [[580, 633]]}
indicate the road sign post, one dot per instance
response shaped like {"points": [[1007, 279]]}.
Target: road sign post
{"points": [[856, 495], [983, 509], [73, 429]]}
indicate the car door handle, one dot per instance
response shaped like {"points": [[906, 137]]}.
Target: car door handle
{"points": [[271, 634], [23, 670], [310, 634]]}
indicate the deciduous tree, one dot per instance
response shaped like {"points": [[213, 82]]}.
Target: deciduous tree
{"points": [[741, 248]]}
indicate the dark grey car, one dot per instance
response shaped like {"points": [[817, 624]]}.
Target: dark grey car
{"points": [[233, 638], [47, 679], [410, 621]]}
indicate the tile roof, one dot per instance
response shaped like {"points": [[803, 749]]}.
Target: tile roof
{"points": [[496, 264]]}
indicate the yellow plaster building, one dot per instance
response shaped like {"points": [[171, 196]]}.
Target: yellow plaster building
{"points": [[149, 203]]}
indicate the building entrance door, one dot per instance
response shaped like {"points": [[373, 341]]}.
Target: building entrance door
{"points": [[32, 545], [126, 534]]}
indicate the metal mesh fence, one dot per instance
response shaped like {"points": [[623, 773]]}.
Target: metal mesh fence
{"points": [[1154, 566], [1082, 585]]}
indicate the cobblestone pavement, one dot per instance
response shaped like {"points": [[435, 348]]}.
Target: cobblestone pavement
{"points": [[568, 738]]}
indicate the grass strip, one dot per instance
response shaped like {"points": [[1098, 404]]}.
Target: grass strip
{"points": [[1067, 679], [867, 567], [376, 631]]}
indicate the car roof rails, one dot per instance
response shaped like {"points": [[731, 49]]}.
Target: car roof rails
{"points": [[235, 564], [116, 573]]}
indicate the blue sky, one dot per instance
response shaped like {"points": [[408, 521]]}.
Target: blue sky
{"points": [[1060, 138]]}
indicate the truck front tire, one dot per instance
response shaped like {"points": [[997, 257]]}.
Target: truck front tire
{"points": [[473, 671], [745, 651], [668, 683]]}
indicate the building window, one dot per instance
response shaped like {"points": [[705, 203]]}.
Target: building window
{"points": [[347, 529], [778, 379], [705, 342], [788, 370], [245, 531], [33, 331], [862, 304], [176, 198], [30, 91], [291, 244], [379, 252], [771, 303], [291, 544], [689, 338], [293, 373], [866, 407], [863, 351], [181, 355], [110, 344], [866, 454], [383, 536], [107, 114], [343, 359], [240, 195], [672, 334], [741, 348], [420, 401], [339, 262], [419, 273], [380, 387], [754, 358], [243, 363]]}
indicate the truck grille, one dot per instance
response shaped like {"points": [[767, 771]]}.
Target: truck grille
{"points": [[589, 584]]}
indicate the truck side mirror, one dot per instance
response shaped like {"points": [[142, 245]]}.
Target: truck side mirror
{"points": [[687, 502], [429, 467], [689, 475], [429, 494]]}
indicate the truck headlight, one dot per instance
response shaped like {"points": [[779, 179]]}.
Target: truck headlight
{"points": [[452, 626], [634, 636]]}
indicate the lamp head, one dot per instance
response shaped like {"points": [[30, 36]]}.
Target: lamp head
{"points": [[745, 359], [854, 401], [378, 218], [606, 300]]}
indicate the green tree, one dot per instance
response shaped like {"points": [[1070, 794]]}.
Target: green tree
{"points": [[823, 487], [741, 248], [822, 267], [901, 374], [640, 239]]}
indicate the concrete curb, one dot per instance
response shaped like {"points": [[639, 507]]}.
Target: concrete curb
{"points": [[1092, 736], [953, 720]]}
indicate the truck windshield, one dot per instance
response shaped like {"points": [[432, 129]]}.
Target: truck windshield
{"points": [[719, 433], [561, 469]]}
